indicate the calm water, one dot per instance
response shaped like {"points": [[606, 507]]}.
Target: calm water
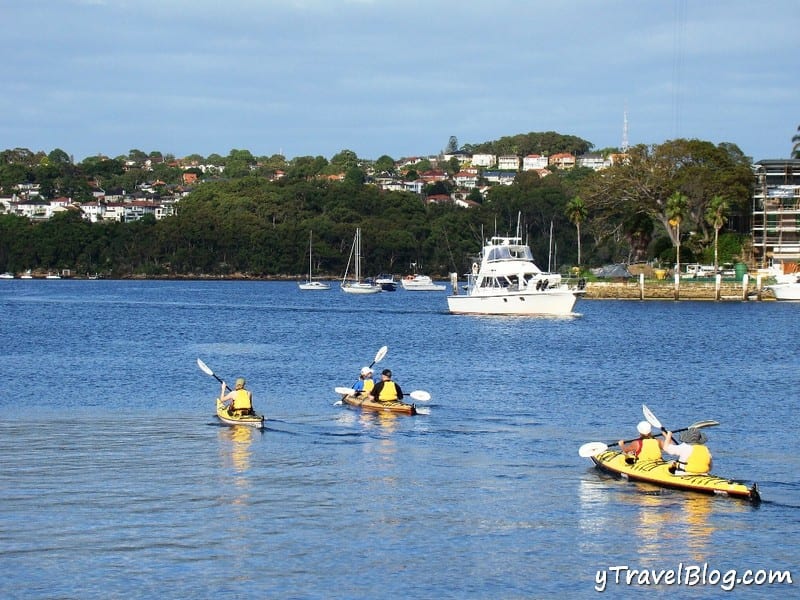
{"points": [[116, 481]]}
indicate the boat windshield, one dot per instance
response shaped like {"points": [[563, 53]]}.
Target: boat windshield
{"points": [[510, 253]]}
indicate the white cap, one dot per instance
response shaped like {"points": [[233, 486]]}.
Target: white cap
{"points": [[644, 428], [366, 371]]}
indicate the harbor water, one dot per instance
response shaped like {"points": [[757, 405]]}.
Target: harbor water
{"points": [[118, 482]]}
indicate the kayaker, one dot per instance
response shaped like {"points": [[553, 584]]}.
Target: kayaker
{"points": [[646, 447], [365, 382], [693, 456], [240, 400], [386, 390]]}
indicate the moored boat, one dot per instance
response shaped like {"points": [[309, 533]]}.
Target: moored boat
{"points": [[320, 286], [310, 285], [508, 282], [421, 283], [657, 473], [367, 404], [357, 286], [253, 420], [787, 288], [387, 282]]}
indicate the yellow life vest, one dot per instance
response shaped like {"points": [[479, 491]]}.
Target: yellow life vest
{"points": [[699, 460], [368, 385], [650, 450], [388, 392], [242, 399]]}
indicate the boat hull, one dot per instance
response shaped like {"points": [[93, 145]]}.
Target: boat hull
{"points": [[550, 302], [360, 288], [367, 404], [786, 291], [657, 473], [256, 421], [310, 286], [422, 283]]}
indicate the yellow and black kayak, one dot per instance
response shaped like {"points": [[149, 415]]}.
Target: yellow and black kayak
{"points": [[252, 420], [367, 404], [657, 472]]}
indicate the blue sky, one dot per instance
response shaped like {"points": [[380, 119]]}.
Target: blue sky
{"points": [[314, 77]]}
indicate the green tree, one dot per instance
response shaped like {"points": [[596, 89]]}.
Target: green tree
{"points": [[675, 211], [384, 164], [642, 184], [344, 161], [576, 213], [716, 216]]}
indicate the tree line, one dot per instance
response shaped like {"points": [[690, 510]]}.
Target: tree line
{"points": [[243, 222]]}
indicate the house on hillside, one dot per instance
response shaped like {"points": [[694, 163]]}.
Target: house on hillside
{"points": [[562, 160], [486, 161], [508, 163], [532, 162], [594, 161], [466, 179]]}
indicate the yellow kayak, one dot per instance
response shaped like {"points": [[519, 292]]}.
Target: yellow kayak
{"points": [[367, 404], [253, 420], [657, 473]]}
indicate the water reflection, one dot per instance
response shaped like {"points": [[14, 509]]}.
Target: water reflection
{"points": [[236, 453], [653, 519], [696, 524], [239, 438], [593, 520]]}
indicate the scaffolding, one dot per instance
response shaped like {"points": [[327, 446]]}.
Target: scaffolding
{"points": [[776, 213]]}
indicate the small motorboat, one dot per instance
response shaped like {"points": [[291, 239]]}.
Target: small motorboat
{"points": [[387, 282], [421, 283]]}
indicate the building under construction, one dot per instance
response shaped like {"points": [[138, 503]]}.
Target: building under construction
{"points": [[776, 213]]}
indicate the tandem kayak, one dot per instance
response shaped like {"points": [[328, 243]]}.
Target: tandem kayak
{"points": [[253, 420], [367, 404], [657, 473]]}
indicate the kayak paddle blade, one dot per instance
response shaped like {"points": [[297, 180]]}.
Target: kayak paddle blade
{"points": [[592, 449]]}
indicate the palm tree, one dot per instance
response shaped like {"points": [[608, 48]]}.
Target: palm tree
{"points": [[796, 142], [576, 213], [676, 207], [716, 216]]}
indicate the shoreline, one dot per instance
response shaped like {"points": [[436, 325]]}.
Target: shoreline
{"points": [[595, 290]]}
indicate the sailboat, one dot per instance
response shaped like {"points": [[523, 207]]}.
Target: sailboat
{"points": [[309, 284], [357, 286]]}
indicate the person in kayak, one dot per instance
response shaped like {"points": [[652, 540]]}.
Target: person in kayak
{"points": [[240, 400], [693, 456], [365, 382], [646, 447], [386, 390]]}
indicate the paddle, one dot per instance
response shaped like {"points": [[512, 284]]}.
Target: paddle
{"points": [[594, 448], [204, 368], [379, 356], [344, 391], [418, 395], [651, 418]]}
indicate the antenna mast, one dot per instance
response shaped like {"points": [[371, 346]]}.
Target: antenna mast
{"points": [[625, 145]]}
